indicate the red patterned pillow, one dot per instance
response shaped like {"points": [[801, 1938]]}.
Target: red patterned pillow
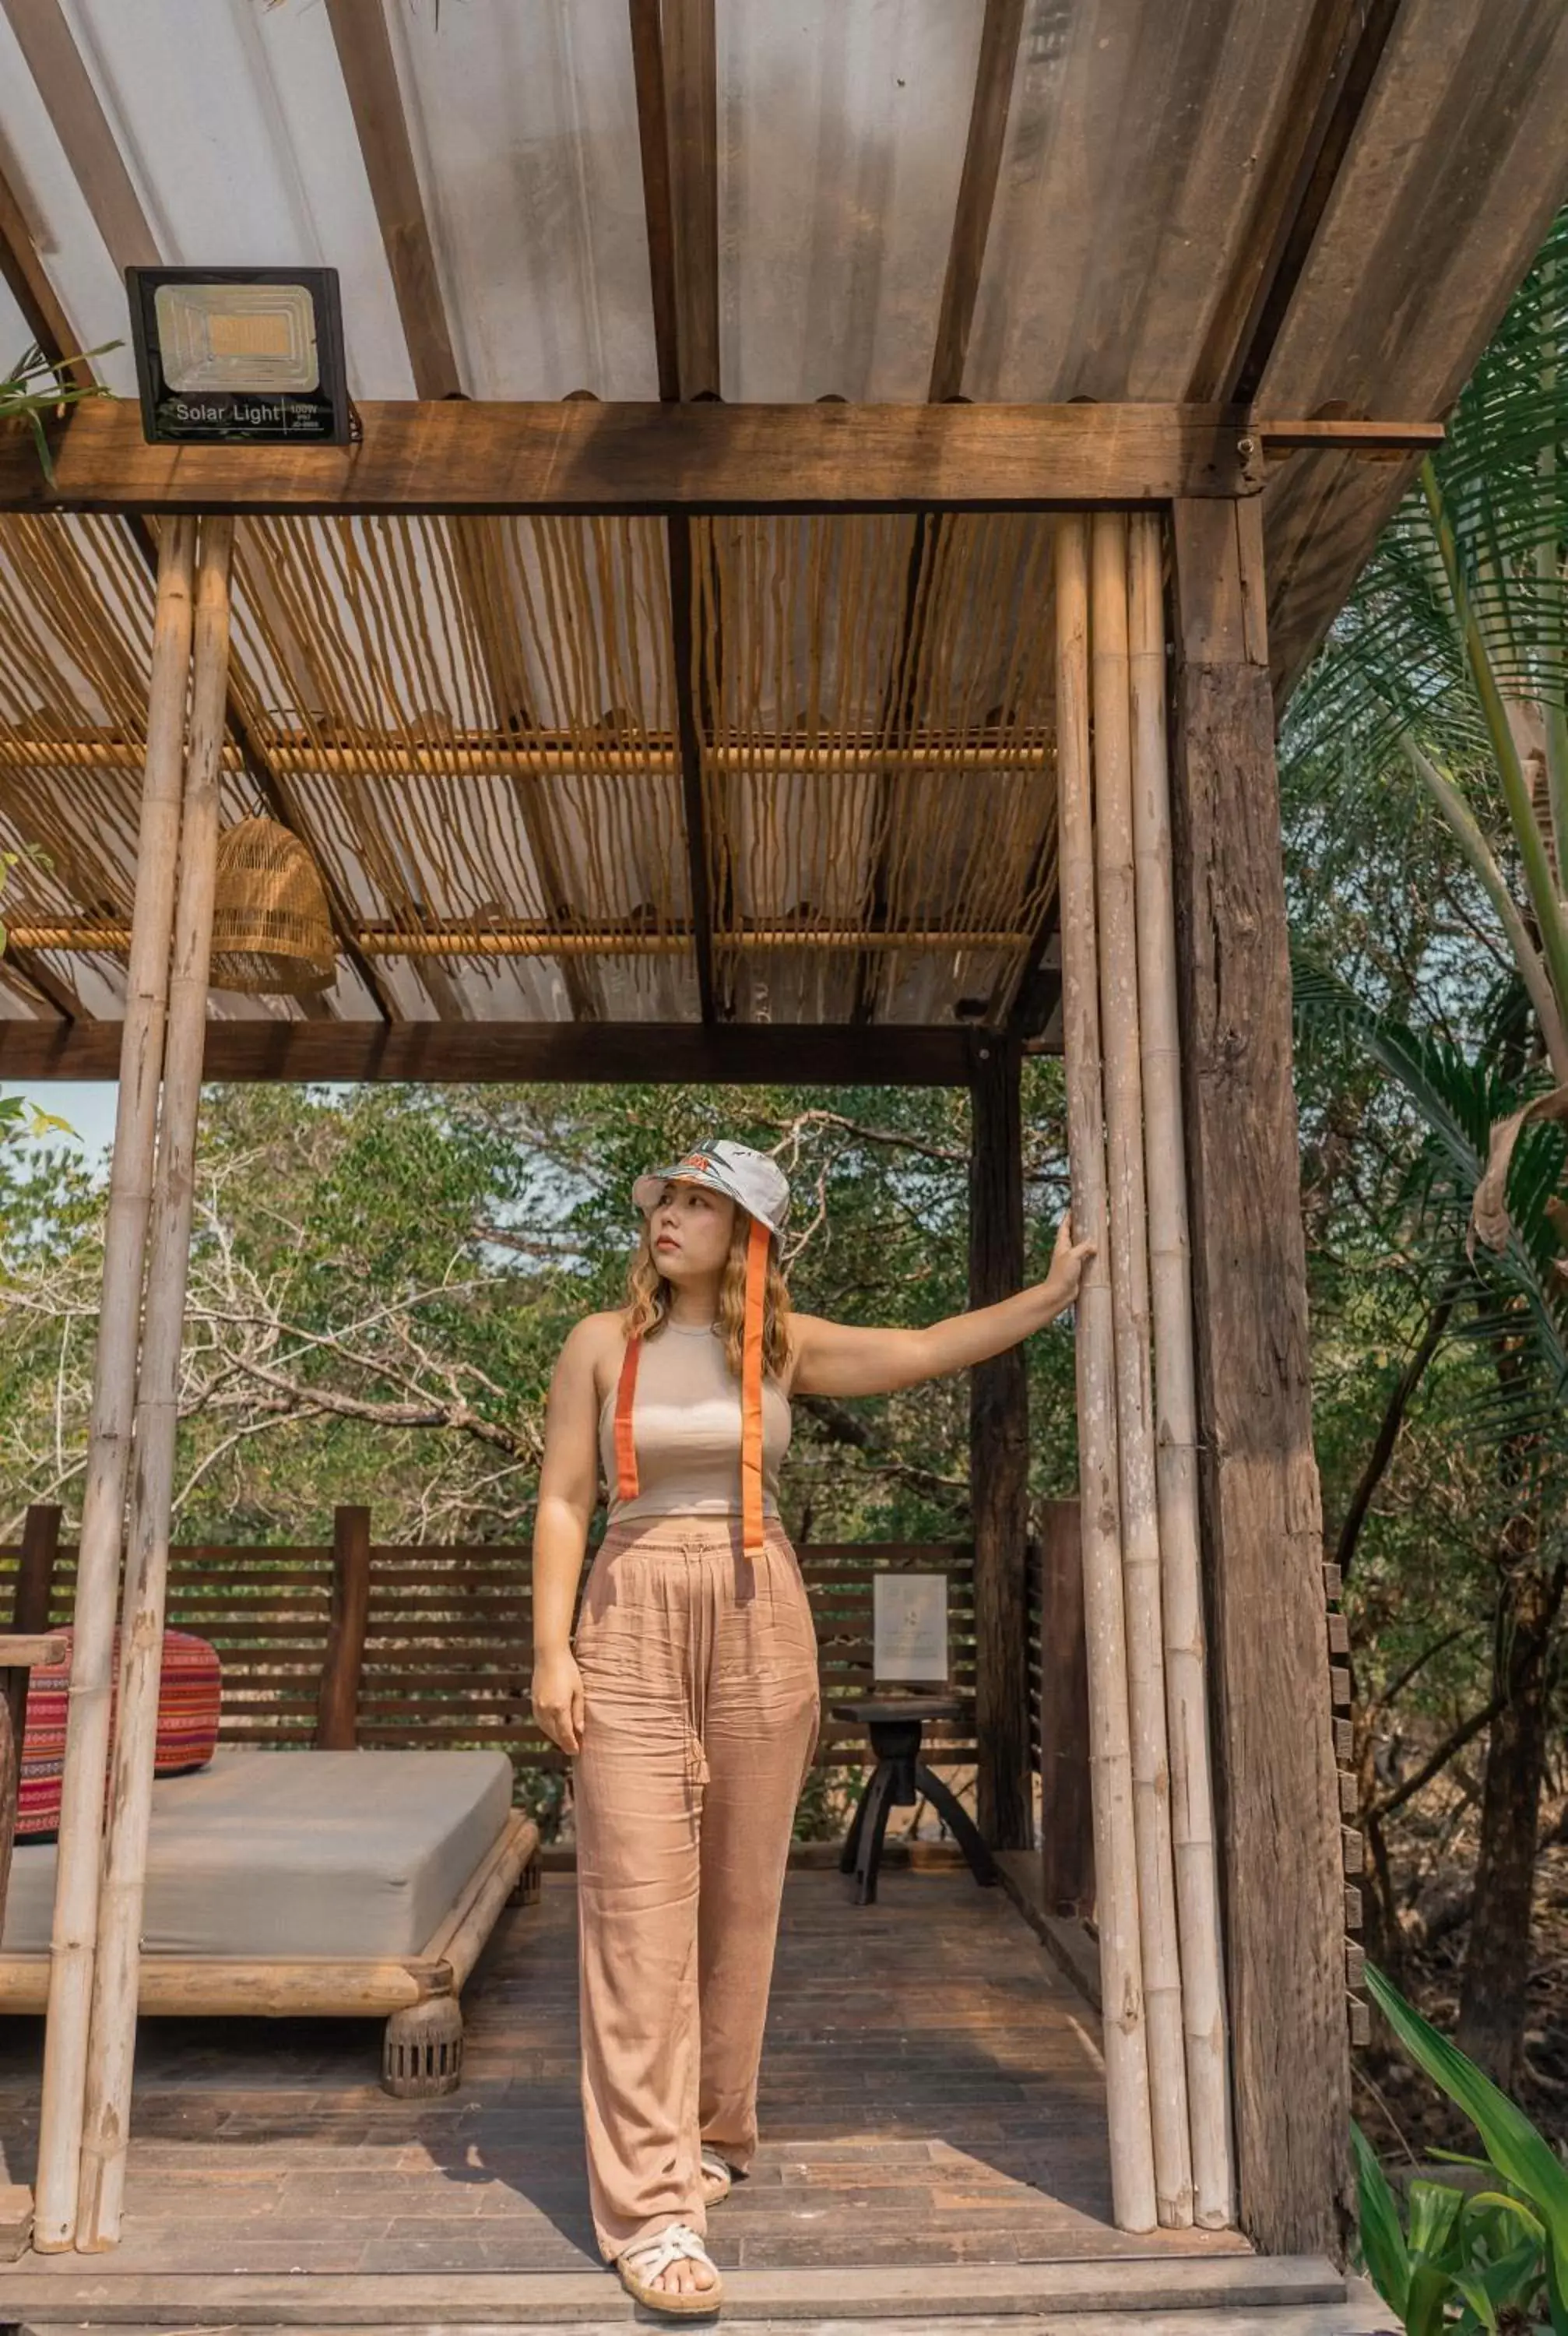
{"points": [[188, 1704]]}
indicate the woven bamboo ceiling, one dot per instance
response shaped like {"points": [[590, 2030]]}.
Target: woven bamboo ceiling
{"points": [[714, 770]]}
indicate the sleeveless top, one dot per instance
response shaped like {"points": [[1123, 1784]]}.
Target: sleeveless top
{"points": [[686, 1424]]}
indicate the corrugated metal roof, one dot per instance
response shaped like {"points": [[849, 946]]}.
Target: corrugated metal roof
{"points": [[1154, 155]]}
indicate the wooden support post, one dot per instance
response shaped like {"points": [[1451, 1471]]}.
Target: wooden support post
{"points": [[106, 2129], [1278, 1801], [1127, 2104], [1124, 1091], [31, 1592], [1066, 1816], [337, 1713], [29, 1618], [1175, 1411], [75, 1924], [10, 1777], [1000, 1458]]}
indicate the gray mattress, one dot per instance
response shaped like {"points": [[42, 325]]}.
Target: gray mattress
{"points": [[274, 1854]]}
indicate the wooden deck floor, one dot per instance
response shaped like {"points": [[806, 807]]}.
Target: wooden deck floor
{"points": [[932, 2095]]}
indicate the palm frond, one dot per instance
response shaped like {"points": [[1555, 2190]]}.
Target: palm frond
{"points": [[1394, 666], [1516, 1298]]}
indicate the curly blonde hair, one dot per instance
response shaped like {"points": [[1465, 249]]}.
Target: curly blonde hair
{"points": [[648, 1301]]}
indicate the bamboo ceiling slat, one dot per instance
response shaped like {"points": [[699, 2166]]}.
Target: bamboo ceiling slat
{"points": [[75, 635], [477, 721], [829, 638]]}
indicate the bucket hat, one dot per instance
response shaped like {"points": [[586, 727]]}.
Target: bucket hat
{"points": [[752, 1178]]}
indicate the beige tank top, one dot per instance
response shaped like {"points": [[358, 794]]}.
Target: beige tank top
{"points": [[687, 1423]]}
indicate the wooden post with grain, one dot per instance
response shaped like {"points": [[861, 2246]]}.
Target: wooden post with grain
{"points": [[1175, 1408], [1276, 1790], [1066, 1813], [999, 1457], [75, 1922], [31, 1594], [106, 2129], [1127, 2104], [29, 1619], [337, 1710]]}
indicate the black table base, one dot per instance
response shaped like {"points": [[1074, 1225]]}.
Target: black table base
{"points": [[899, 1780]]}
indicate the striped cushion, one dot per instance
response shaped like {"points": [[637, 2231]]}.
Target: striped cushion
{"points": [[188, 1702]]}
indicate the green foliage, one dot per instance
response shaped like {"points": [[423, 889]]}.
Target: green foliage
{"points": [[36, 388], [1448, 669], [1489, 2260], [1424, 1014], [382, 1280], [1516, 1294]]}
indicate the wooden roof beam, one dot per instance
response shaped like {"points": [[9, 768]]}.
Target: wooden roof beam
{"points": [[47, 42], [582, 456], [657, 198], [994, 74], [690, 42], [668, 1053], [1332, 81], [994, 69], [369, 69], [369, 72], [33, 294], [27, 975], [675, 70]]}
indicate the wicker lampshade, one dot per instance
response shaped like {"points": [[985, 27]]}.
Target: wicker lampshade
{"points": [[271, 930]]}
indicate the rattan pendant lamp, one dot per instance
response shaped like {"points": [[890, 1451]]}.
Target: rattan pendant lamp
{"points": [[271, 930]]}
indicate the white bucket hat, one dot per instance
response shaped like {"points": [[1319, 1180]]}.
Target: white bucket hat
{"points": [[754, 1180]]}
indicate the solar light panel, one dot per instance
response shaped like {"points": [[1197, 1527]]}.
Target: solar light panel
{"points": [[238, 336]]}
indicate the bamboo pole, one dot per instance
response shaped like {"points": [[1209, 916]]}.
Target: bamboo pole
{"points": [[1127, 2104], [459, 939], [466, 754], [1176, 1415], [1128, 1211], [113, 2034], [75, 1922]]}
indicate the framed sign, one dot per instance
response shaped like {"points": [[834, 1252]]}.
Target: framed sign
{"points": [[909, 1627]]}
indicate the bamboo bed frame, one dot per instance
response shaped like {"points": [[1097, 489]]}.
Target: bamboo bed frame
{"points": [[419, 1994]]}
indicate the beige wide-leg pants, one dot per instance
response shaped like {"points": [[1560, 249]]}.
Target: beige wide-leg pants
{"points": [[699, 1672]]}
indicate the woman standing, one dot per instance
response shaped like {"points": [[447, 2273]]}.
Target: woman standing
{"points": [[689, 1698]]}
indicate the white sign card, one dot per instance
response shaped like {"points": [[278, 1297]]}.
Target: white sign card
{"points": [[909, 1627]]}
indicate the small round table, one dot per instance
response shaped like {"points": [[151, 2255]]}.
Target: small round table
{"points": [[900, 1780]]}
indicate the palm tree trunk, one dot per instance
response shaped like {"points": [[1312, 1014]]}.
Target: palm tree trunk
{"points": [[1494, 1990]]}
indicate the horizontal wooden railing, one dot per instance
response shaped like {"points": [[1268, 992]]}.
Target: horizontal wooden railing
{"points": [[447, 1637]]}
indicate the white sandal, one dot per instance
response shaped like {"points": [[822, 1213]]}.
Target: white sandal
{"points": [[640, 2264], [717, 2176]]}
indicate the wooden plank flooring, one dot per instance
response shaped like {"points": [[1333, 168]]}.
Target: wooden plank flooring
{"points": [[932, 2095]]}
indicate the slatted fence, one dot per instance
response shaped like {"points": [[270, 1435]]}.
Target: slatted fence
{"points": [[448, 1636]]}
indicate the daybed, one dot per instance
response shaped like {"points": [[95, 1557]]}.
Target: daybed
{"points": [[286, 1884]]}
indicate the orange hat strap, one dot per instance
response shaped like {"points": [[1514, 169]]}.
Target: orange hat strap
{"points": [[624, 1440], [751, 1487]]}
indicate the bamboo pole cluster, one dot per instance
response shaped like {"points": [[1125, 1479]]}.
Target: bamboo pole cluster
{"points": [[102, 1858], [1162, 1984]]}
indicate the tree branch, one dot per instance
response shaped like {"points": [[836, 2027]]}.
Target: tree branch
{"points": [[1438, 1760], [1387, 1435], [842, 1427]]}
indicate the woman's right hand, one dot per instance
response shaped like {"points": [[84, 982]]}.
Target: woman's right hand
{"points": [[557, 1691]]}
